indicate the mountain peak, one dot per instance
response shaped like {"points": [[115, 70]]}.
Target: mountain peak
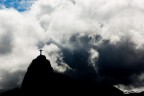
{"points": [[41, 57], [38, 75]]}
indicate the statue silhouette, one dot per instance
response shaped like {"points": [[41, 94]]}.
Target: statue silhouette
{"points": [[40, 51]]}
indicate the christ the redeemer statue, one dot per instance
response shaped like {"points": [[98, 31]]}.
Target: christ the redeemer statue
{"points": [[40, 51]]}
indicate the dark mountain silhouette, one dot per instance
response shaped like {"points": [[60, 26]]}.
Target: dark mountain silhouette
{"points": [[38, 76], [40, 79], [136, 94]]}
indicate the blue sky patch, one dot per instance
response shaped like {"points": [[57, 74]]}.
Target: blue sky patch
{"points": [[20, 5]]}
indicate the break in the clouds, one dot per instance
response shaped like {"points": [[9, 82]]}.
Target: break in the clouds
{"points": [[91, 39], [20, 5]]}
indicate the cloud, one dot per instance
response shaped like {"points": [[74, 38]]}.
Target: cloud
{"points": [[84, 38], [18, 40]]}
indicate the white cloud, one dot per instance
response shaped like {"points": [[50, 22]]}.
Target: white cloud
{"points": [[94, 55], [129, 89], [18, 41]]}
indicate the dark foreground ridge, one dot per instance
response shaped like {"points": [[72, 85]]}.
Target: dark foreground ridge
{"points": [[40, 79]]}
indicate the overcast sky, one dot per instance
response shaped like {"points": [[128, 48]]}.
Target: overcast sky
{"points": [[97, 38]]}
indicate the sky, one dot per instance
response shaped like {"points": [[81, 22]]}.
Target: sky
{"points": [[88, 39], [20, 5]]}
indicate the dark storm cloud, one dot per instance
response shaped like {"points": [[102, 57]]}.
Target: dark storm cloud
{"points": [[120, 61], [78, 59], [116, 62]]}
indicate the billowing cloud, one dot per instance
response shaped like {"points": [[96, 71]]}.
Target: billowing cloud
{"points": [[18, 41], [84, 38]]}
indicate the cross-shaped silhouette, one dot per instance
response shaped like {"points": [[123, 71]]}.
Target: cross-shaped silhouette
{"points": [[40, 51]]}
